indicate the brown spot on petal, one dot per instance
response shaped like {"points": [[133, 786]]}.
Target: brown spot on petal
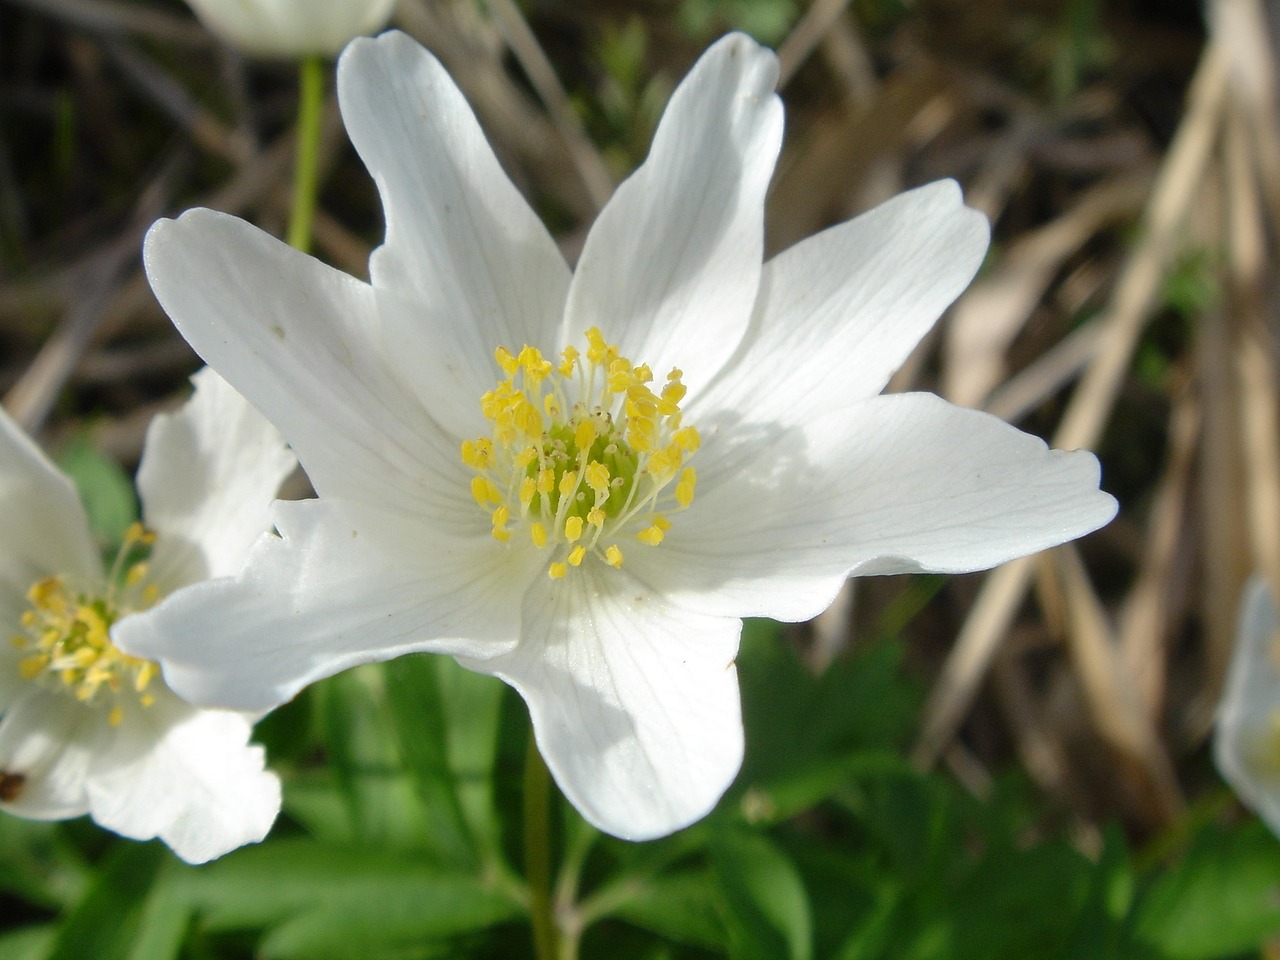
{"points": [[11, 785]]}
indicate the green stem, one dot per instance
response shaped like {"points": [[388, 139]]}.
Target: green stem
{"points": [[537, 850], [306, 176]]}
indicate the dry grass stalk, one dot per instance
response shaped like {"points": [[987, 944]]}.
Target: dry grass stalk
{"points": [[1135, 296], [1150, 610]]}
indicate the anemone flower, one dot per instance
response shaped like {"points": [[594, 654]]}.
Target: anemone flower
{"points": [[1246, 744], [291, 29], [580, 481], [86, 728]]}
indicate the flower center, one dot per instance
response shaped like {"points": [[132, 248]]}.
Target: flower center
{"points": [[68, 633], [582, 454]]}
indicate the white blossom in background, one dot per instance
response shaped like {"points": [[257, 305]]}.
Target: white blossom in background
{"points": [[292, 29], [85, 728], [580, 481], [1246, 743]]}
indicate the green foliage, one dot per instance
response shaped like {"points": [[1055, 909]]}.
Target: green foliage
{"points": [[766, 20], [400, 842], [1221, 900], [106, 490]]}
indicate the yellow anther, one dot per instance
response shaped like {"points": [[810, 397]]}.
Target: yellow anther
{"points": [[576, 555], [557, 571], [506, 361], [597, 476], [501, 516], [538, 533], [597, 348], [596, 517], [477, 454], [116, 716], [613, 556], [546, 480], [43, 591], [584, 434], [567, 360], [32, 666], [137, 534], [136, 574], [685, 488], [665, 464], [484, 492], [569, 483], [526, 417], [652, 535], [528, 488], [573, 529], [535, 368], [146, 673], [687, 439]]}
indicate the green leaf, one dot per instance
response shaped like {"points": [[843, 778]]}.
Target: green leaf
{"points": [[39, 864], [389, 913], [1019, 903], [166, 917], [766, 906], [1223, 899], [380, 797], [806, 734], [27, 943], [106, 490], [414, 703], [473, 713], [680, 907], [318, 900], [105, 923]]}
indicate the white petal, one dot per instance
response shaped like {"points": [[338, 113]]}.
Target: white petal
{"points": [[207, 475], [301, 342], [467, 258], [50, 741], [321, 598], [292, 28], [634, 703], [897, 484], [1246, 743], [187, 776], [839, 312], [43, 527], [671, 268]]}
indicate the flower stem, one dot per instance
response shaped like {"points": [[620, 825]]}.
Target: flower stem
{"points": [[306, 175], [537, 851]]}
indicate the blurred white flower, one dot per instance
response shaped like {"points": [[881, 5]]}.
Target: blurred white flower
{"points": [[505, 450], [292, 28], [85, 728], [1246, 743]]}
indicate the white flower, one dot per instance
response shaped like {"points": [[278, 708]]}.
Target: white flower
{"points": [[292, 28], [1246, 743], [445, 520], [85, 728]]}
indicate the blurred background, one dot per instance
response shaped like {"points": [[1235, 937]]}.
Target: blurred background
{"points": [[1042, 729]]}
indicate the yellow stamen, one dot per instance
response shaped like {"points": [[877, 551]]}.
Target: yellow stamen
{"points": [[582, 451]]}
